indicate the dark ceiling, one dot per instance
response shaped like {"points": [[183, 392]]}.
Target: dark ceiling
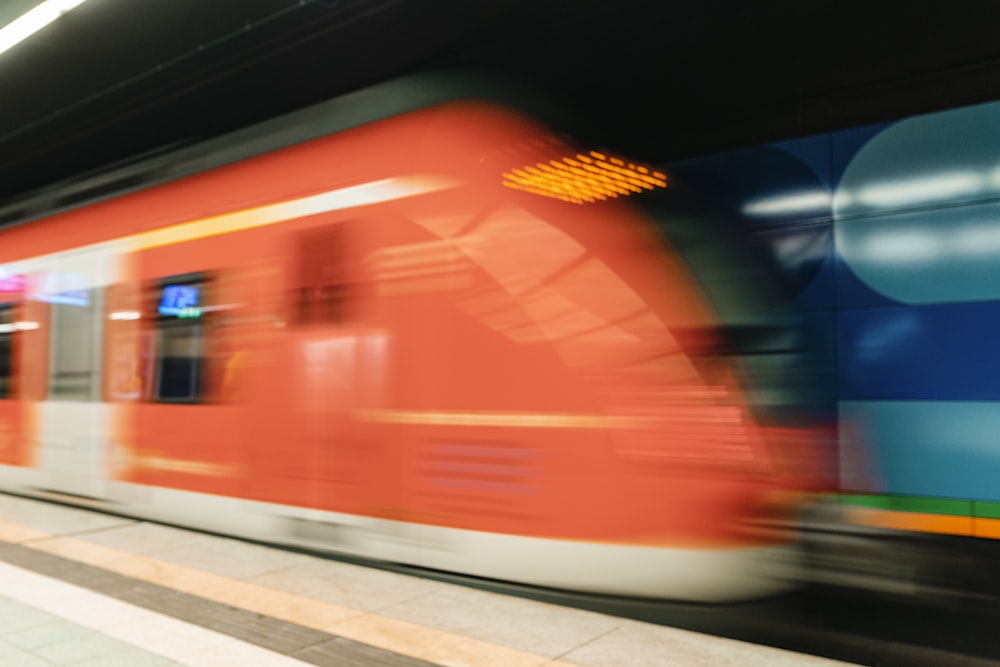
{"points": [[657, 79]]}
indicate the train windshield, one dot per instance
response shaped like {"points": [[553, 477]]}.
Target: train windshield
{"points": [[747, 294]]}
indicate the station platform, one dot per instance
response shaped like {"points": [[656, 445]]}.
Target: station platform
{"points": [[84, 588]]}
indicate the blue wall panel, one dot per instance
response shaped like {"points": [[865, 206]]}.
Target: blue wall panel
{"points": [[934, 256], [947, 449], [889, 239], [945, 352]]}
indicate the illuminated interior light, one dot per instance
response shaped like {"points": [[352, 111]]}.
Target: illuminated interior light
{"points": [[976, 241], [72, 298], [816, 201], [590, 181], [638, 183], [552, 170], [616, 171], [34, 20], [904, 248], [603, 172], [11, 327], [578, 169], [604, 177], [13, 283], [923, 189], [222, 307], [584, 178], [125, 315], [598, 186], [608, 188]]}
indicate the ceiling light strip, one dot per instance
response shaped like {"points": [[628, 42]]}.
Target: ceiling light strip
{"points": [[34, 20]]}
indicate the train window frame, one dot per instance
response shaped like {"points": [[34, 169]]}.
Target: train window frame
{"points": [[8, 317], [326, 275], [60, 385], [175, 325]]}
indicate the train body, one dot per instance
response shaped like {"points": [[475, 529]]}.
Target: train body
{"points": [[385, 341]]}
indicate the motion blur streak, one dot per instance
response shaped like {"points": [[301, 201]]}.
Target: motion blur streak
{"points": [[364, 194], [365, 342], [499, 419]]}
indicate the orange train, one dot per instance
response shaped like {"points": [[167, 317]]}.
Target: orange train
{"points": [[433, 335]]}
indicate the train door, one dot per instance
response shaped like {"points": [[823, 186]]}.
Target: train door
{"points": [[15, 323], [341, 358], [70, 419]]}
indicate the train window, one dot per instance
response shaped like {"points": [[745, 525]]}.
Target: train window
{"points": [[74, 370], [323, 275], [180, 347], [6, 348]]}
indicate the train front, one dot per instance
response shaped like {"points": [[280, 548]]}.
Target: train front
{"points": [[599, 392]]}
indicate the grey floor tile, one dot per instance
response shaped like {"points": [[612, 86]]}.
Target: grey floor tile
{"points": [[6, 648], [215, 555], [347, 585], [643, 645], [512, 622], [53, 632], [24, 659], [128, 657], [79, 650]]}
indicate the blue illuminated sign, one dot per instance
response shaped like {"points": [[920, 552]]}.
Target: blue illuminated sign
{"points": [[180, 301]]}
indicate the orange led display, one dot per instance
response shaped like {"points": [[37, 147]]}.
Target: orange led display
{"points": [[585, 178]]}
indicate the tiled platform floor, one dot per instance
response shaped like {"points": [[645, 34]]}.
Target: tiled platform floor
{"points": [[84, 588], [33, 637]]}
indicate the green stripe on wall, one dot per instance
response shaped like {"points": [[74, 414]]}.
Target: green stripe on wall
{"points": [[921, 504], [986, 510], [878, 502]]}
